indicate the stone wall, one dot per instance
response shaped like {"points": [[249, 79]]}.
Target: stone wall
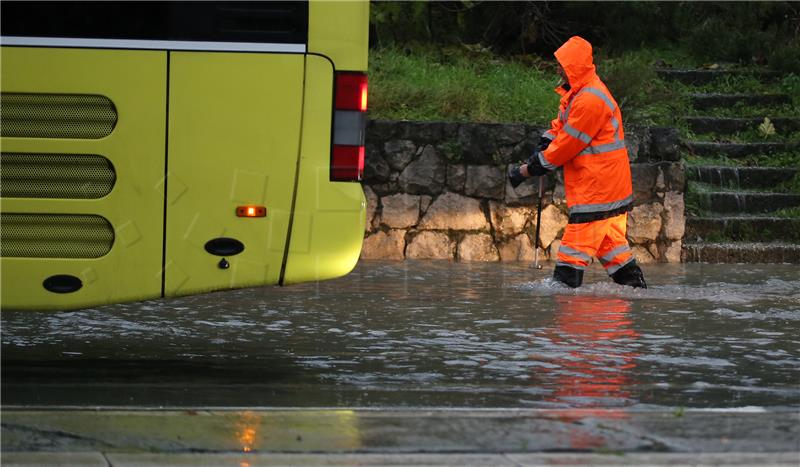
{"points": [[439, 191]]}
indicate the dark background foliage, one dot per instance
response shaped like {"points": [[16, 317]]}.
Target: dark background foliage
{"points": [[764, 33]]}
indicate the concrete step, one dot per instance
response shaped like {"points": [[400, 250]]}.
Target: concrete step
{"points": [[706, 101], [734, 125], [752, 229], [739, 178], [749, 203], [702, 77], [740, 252], [738, 150]]}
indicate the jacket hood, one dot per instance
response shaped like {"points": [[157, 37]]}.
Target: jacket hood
{"points": [[575, 57]]}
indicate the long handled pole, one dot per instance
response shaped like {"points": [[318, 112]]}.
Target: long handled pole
{"points": [[538, 224]]}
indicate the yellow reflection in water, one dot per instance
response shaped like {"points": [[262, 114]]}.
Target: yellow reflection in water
{"points": [[246, 431]]}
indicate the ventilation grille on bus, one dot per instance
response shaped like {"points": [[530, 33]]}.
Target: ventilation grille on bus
{"points": [[56, 116], [75, 176], [54, 236]]}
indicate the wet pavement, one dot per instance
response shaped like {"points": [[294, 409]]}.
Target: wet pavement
{"points": [[425, 357], [427, 334]]}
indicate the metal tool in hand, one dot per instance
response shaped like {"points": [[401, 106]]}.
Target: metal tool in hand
{"points": [[538, 224]]}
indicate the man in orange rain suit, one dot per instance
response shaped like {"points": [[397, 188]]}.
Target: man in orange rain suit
{"points": [[587, 139]]}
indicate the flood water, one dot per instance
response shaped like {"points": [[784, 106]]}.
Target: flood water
{"points": [[428, 334]]}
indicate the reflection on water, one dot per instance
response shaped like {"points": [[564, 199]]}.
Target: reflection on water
{"points": [[593, 341], [247, 427], [594, 358], [429, 334]]}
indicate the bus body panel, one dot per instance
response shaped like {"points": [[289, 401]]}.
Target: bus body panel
{"points": [[202, 128], [329, 217], [234, 131], [340, 31], [135, 81]]}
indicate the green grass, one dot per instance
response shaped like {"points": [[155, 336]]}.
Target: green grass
{"points": [[781, 159], [721, 160], [752, 135], [790, 186], [456, 85], [745, 111], [792, 213], [471, 84]]}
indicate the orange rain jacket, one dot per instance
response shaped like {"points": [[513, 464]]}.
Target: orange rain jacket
{"points": [[588, 140]]}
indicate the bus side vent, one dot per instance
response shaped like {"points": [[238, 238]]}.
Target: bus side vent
{"points": [[54, 236], [72, 176], [75, 116]]}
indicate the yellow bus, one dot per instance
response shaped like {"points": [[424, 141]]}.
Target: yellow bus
{"points": [[158, 149]]}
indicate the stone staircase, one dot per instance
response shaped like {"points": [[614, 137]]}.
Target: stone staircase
{"points": [[734, 210]]}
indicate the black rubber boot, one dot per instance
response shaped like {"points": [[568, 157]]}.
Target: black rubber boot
{"points": [[631, 275], [569, 276]]}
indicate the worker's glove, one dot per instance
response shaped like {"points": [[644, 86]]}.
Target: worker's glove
{"points": [[535, 166], [544, 142], [516, 177]]}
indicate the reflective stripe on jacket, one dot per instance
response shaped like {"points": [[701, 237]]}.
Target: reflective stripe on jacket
{"points": [[588, 140]]}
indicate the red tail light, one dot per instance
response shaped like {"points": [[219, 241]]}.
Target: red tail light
{"points": [[348, 163], [349, 125], [351, 91]]}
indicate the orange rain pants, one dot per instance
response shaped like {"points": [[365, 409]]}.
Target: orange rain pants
{"points": [[603, 239]]}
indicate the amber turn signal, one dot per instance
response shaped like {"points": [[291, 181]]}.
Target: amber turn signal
{"points": [[251, 211]]}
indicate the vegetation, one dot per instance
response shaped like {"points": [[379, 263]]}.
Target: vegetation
{"points": [[762, 33], [778, 159], [492, 61], [756, 134], [793, 213], [745, 111], [459, 84], [790, 186], [472, 84]]}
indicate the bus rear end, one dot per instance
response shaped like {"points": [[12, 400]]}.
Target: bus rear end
{"points": [[163, 149]]}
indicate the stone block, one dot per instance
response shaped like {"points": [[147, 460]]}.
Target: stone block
{"points": [[665, 144], [674, 217], [385, 188], [517, 249], [642, 255], [452, 211], [424, 203], [421, 132], [400, 211], [644, 223], [380, 131], [376, 169], [477, 247], [672, 252], [674, 176], [456, 177], [399, 153], [384, 245], [431, 245], [552, 252], [475, 142], [653, 249], [508, 134], [637, 142], [552, 225], [485, 181], [372, 206], [508, 221], [425, 175], [524, 194], [644, 178], [525, 148]]}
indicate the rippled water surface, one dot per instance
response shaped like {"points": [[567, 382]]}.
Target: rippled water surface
{"points": [[428, 334]]}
